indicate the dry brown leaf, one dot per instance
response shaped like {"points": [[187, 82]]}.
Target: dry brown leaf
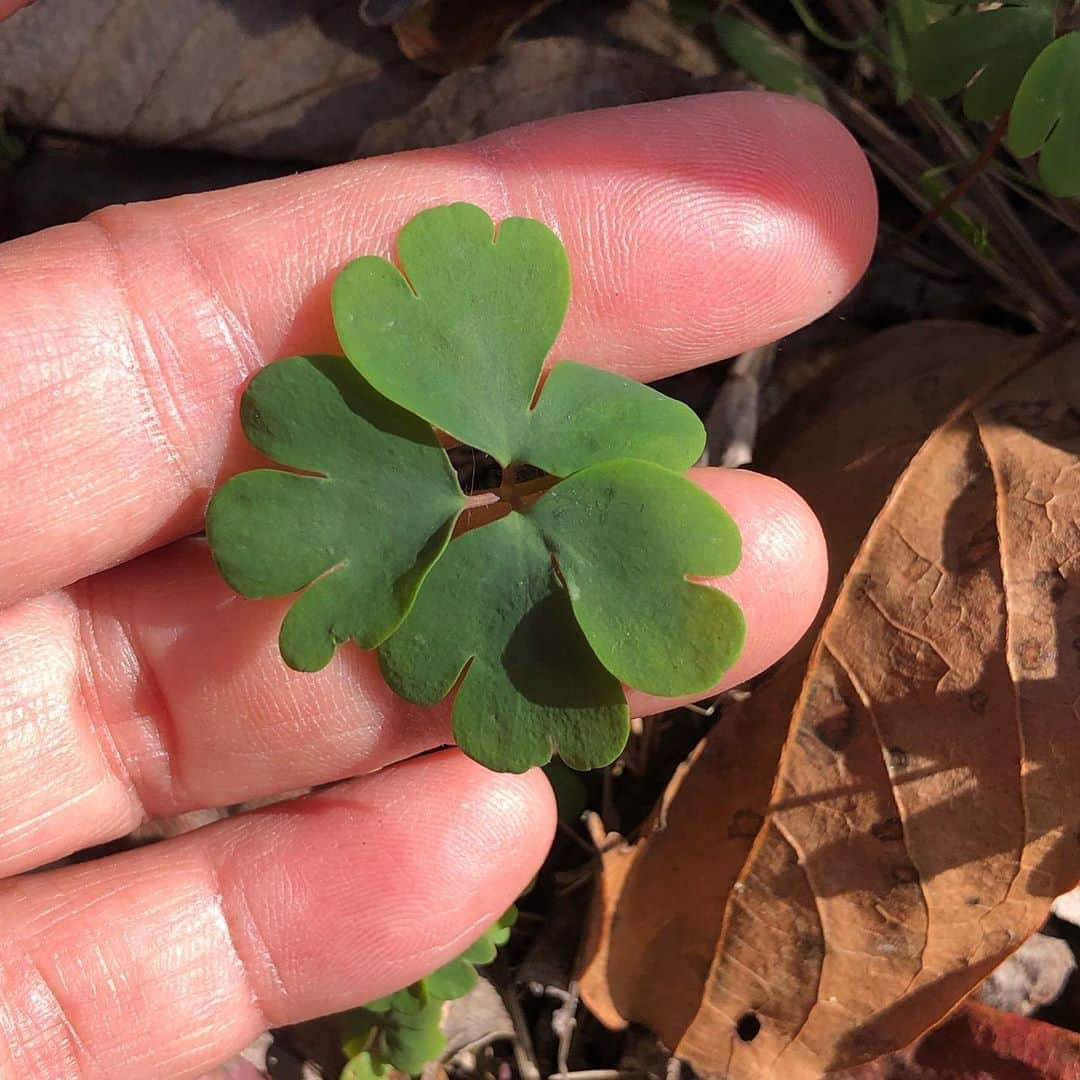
{"points": [[309, 81], [270, 78], [924, 813], [528, 80], [445, 35]]}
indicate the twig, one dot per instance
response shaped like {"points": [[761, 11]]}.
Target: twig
{"points": [[1002, 218], [704, 710], [608, 811], [564, 1023], [806, 16], [524, 1052], [898, 160], [1018, 181], [732, 422], [569, 832], [961, 186]]}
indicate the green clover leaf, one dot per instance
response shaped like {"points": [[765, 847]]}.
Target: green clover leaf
{"points": [[625, 535], [987, 52], [585, 416], [346, 532], [459, 336], [363, 1067], [457, 978], [585, 581], [413, 1041], [403, 1033], [494, 603], [402, 1030], [1046, 115]]}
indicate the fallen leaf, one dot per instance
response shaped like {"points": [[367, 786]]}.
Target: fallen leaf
{"points": [[976, 1042], [309, 80], [476, 1020], [527, 80], [269, 78], [444, 35], [923, 815]]}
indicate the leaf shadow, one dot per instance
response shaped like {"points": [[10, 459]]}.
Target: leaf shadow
{"points": [[546, 646], [919, 1011]]}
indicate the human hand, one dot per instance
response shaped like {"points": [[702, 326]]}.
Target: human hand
{"points": [[696, 228]]}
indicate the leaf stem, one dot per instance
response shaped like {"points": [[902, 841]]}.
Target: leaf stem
{"points": [[520, 494], [484, 507], [811, 23], [965, 181]]}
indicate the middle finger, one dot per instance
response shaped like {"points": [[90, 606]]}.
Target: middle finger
{"points": [[152, 689]]}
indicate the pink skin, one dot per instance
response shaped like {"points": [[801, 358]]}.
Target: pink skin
{"points": [[697, 228]]}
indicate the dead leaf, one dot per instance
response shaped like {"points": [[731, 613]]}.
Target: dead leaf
{"points": [[445, 35], [309, 80], [269, 78], [978, 1041], [528, 80], [475, 1020], [921, 819]]}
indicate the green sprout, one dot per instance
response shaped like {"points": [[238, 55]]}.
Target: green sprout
{"points": [[576, 575], [403, 1030]]}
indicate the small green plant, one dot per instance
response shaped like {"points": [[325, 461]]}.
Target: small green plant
{"points": [[402, 1031], [1003, 58], [571, 578]]}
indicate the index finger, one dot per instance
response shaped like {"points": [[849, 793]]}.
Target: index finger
{"points": [[696, 228]]}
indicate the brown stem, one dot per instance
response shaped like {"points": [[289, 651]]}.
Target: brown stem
{"points": [[485, 507], [965, 181]]}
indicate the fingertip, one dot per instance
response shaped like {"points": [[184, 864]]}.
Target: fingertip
{"points": [[727, 220], [824, 178], [515, 811], [782, 220], [377, 882], [780, 581]]}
